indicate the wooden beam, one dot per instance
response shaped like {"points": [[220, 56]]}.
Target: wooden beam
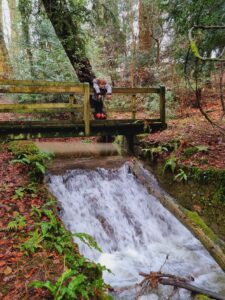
{"points": [[134, 106], [38, 89], [38, 83], [43, 107], [135, 90], [44, 83], [163, 104], [87, 109], [36, 129]]}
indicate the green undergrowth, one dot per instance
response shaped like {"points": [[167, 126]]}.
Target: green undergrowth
{"points": [[81, 278], [27, 153]]}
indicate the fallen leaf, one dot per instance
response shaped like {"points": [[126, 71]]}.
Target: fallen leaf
{"points": [[18, 284], [7, 271], [2, 263], [28, 275]]}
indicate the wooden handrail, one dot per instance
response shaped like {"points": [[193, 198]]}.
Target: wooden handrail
{"points": [[29, 108], [38, 89], [38, 83], [136, 90]]}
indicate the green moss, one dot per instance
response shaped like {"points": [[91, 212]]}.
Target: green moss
{"points": [[197, 220], [201, 297]]}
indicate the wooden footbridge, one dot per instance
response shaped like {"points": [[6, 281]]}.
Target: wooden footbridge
{"points": [[85, 126]]}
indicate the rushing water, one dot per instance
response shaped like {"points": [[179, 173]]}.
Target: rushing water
{"points": [[134, 230]]}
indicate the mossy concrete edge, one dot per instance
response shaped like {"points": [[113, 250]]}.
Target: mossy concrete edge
{"points": [[210, 241]]}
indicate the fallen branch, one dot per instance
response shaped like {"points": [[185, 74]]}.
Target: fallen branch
{"points": [[153, 279], [190, 287]]}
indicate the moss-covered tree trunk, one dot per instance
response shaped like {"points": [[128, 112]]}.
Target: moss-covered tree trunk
{"points": [[67, 30]]}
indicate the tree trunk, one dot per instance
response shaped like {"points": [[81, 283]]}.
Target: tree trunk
{"points": [[133, 45], [145, 40], [5, 68], [68, 33]]}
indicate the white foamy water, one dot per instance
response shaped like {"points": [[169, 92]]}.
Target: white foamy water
{"points": [[133, 229]]}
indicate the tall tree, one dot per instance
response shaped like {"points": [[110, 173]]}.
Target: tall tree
{"points": [[25, 8], [66, 18], [5, 68]]}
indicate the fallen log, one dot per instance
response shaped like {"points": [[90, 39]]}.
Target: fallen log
{"points": [[153, 279], [190, 287]]}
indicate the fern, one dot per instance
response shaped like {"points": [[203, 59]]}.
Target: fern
{"points": [[33, 243], [19, 193], [88, 240], [59, 290], [171, 164], [181, 176], [18, 221]]}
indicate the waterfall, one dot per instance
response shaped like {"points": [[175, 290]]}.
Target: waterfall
{"points": [[133, 229]]}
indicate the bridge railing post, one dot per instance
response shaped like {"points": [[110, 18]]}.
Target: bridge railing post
{"points": [[72, 101], [163, 104], [134, 108], [87, 109]]}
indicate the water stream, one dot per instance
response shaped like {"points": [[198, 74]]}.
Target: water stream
{"points": [[134, 230]]}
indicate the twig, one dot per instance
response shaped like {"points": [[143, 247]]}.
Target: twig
{"points": [[167, 256], [221, 90]]}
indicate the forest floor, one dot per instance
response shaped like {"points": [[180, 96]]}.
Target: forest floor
{"points": [[190, 129], [17, 270]]}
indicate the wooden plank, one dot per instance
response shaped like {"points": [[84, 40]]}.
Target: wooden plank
{"points": [[43, 107], [72, 101], [44, 83], [134, 108], [31, 129], [44, 124], [80, 86], [35, 89], [38, 83], [87, 109], [135, 90], [163, 104]]}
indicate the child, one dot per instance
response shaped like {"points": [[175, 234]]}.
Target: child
{"points": [[101, 89]]}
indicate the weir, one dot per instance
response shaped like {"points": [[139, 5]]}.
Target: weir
{"points": [[135, 232]]}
